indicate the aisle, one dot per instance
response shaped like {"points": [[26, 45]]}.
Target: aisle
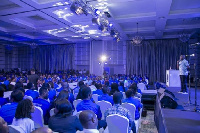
{"points": [[148, 124]]}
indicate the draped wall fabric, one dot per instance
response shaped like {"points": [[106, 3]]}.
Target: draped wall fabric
{"points": [[154, 57], [53, 57]]}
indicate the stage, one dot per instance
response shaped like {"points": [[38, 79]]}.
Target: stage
{"points": [[183, 119]]}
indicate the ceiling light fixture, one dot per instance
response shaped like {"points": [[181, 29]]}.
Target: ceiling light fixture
{"points": [[137, 39]]}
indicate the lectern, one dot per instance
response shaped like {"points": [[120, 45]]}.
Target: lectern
{"points": [[173, 78]]}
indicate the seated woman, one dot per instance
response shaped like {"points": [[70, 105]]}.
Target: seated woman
{"points": [[63, 121], [23, 116]]}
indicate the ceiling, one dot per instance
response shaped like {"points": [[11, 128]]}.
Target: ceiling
{"points": [[45, 22]]}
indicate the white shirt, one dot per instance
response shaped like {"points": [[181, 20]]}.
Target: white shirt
{"points": [[88, 131], [183, 67], [26, 124]]}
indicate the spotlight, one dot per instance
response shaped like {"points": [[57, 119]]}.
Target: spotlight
{"points": [[76, 9], [97, 12], [103, 58], [110, 25]]}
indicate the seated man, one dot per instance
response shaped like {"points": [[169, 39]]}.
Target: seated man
{"points": [[118, 109], [89, 122], [3, 126], [98, 91], [87, 104], [130, 99], [31, 91], [2, 100], [105, 95], [42, 102], [7, 112]]}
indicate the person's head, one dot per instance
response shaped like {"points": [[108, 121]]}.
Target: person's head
{"points": [[97, 86], [17, 96], [182, 57], [51, 84], [21, 89], [40, 81], [46, 85], [114, 87], [93, 82], [105, 90], [65, 86], [3, 126], [80, 83], [2, 90], [19, 85], [63, 95], [43, 130], [30, 86], [32, 71], [86, 93], [88, 119], [133, 87], [43, 93], [129, 93], [64, 107], [24, 109], [117, 97]]}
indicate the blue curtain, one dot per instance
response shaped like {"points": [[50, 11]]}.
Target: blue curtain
{"points": [[154, 57], [53, 57]]}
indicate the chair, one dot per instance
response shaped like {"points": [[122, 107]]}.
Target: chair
{"points": [[7, 94], [141, 86], [95, 97], [124, 94], [52, 112], [103, 106], [75, 95], [78, 113], [14, 129], [117, 124], [76, 102], [37, 117], [132, 108]]}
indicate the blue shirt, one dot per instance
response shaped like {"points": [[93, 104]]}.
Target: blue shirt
{"points": [[7, 112], [3, 101], [89, 105], [121, 88], [52, 94], [106, 97], [33, 93], [98, 92], [137, 104]]}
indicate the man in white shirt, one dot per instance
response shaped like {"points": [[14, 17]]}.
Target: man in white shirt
{"points": [[89, 122], [183, 65]]}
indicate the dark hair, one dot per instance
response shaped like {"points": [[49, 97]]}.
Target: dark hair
{"points": [[117, 97], [24, 109], [30, 85], [129, 93], [46, 85], [86, 91], [21, 89], [80, 83], [114, 88], [43, 90], [64, 107], [2, 90], [105, 89], [17, 95], [19, 85], [51, 84], [97, 86], [32, 70], [133, 87], [63, 95]]}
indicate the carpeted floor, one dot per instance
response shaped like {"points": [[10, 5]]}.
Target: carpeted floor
{"points": [[148, 124]]}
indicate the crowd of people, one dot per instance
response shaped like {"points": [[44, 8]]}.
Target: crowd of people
{"points": [[49, 91]]}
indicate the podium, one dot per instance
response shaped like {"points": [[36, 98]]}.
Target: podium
{"points": [[173, 78]]}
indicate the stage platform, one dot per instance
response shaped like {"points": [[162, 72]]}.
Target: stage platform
{"points": [[183, 119]]}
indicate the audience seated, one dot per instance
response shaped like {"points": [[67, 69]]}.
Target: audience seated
{"points": [[92, 87], [63, 121], [3, 126], [43, 102], [23, 116], [98, 91], [89, 122], [87, 104], [130, 99], [2, 100], [79, 96], [79, 84], [105, 95], [118, 109], [7, 111], [114, 88], [43, 130], [31, 91], [19, 85]]}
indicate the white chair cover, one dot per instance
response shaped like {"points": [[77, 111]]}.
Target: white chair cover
{"points": [[52, 112], [37, 117], [15, 129], [103, 106], [75, 102], [95, 97]]}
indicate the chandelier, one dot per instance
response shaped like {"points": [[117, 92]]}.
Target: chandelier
{"points": [[137, 39], [184, 37]]}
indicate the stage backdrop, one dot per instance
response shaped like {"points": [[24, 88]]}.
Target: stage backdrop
{"points": [[154, 57]]}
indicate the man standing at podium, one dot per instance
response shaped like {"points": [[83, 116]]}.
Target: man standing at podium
{"points": [[182, 65]]}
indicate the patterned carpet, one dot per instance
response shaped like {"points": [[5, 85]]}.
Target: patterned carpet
{"points": [[148, 124]]}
